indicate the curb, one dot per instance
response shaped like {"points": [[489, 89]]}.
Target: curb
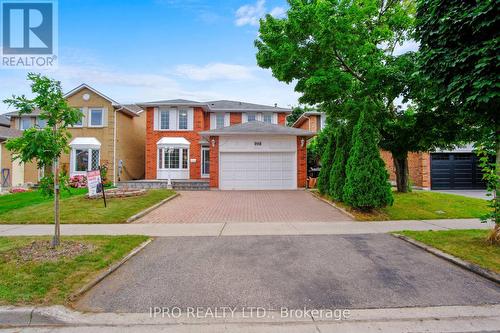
{"points": [[110, 270], [345, 212], [495, 277], [149, 209]]}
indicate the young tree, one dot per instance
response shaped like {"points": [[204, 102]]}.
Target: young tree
{"points": [[338, 170], [45, 145], [367, 181], [337, 51], [459, 43]]}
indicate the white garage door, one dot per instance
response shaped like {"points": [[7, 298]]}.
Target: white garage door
{"points": [[257, 171]]}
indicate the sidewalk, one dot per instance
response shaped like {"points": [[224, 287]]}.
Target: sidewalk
{"points": [[428, 319], [241, 229]]}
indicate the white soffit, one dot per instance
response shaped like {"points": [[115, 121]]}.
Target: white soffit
{"points": [[85, 142], [173, 142]]}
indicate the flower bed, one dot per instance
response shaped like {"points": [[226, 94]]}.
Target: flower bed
{"points": [[120, 193]]}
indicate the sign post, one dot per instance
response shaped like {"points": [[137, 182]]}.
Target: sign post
{"points": [[95, 185]]}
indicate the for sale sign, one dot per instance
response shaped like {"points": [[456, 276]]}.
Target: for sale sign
{"points": [[94, 183]]}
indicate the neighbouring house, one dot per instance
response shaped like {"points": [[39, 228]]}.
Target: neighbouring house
{"points": [[230, 144], [109, 133], [5, 156], [440, 170]]}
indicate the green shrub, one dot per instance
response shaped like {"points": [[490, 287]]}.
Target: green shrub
{"points": [[337, 173], [367, 184]]}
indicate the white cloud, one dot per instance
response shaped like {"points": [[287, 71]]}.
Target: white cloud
{"points": [[250, 14], [215, 71], [278, 12]]}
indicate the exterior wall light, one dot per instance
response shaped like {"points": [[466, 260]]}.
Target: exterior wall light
{"points": [[302, 141], [213, 142]]}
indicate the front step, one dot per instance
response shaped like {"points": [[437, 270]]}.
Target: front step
{"points": [[179, 185], [190, 185]]}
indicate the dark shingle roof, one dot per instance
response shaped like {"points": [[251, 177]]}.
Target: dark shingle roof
{"points": [[35, 112], [7, 133], [4, 121], [258, 127], [225, 105], [175, 101]]}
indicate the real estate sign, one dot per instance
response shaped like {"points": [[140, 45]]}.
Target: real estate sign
{"points": [[94, 183]]}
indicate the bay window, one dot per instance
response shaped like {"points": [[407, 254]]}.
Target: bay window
{"points": [[219, 120], [267, 117], [252, 116], [173, 158], [85, 160]]}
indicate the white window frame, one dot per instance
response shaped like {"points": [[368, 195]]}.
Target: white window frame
{"points": [[167, 113], [91, 117], [253, 114], [267, 114], [179, 110], [21, 127], [38, 119], [89, 161], [217, 115], [161, 156]]}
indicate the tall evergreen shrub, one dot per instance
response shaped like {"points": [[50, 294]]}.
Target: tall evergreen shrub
{"points": [[367, 180], [337, 172], [326, 161]]}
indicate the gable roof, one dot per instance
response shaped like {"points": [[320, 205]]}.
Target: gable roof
{"points": [[4, 121], [304, 116], [130, 109], [258, 127], [8, 133]]}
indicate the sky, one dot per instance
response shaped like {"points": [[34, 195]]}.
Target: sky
{"points": [[145, 50]]}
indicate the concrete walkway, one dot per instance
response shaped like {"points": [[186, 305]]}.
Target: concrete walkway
{"points": [[428, 319], [478, 194], [242, 229]]}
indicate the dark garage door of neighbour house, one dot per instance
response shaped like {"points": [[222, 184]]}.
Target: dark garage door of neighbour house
{"points": [[458, 171]]}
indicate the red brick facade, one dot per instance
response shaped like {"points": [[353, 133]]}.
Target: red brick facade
{"points": [[214, 161], [193, 137], [301, 161], [419, 168], [201, 122]]}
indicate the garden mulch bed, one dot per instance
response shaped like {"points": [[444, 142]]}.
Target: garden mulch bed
{"points": [[40, 251]]}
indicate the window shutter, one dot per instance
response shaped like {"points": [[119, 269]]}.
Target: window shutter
{"points": [[172, 119], [190, 119], [244, 117], [156, 119], [258, 117], [104, 117], [212, 120], [227, 119], [275, 118]]}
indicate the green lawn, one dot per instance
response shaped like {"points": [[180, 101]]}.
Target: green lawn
{"points": [[425, 205], [78, 209], [13, 201], [52, 282], [469, 245]]}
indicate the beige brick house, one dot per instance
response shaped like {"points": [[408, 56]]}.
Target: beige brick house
{"points": [[109, 133]]}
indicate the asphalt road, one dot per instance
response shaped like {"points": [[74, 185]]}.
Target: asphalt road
{"points": [[321, 272]]}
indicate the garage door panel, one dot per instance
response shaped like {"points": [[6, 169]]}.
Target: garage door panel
{"points": [[455, 171], [262, 170]]}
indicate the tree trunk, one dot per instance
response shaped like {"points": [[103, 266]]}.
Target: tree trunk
{"points": [[57, 231], [401, 167]]}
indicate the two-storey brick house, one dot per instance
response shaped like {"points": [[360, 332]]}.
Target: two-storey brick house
{"points": [[233, 145]]}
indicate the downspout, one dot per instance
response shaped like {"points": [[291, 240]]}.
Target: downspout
{"points": [[114, 145]]}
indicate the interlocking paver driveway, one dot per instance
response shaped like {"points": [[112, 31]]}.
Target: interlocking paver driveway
{"points": [[244, 206]]}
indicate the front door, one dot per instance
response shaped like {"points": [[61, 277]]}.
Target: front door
{"points": [[205, 162]]}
